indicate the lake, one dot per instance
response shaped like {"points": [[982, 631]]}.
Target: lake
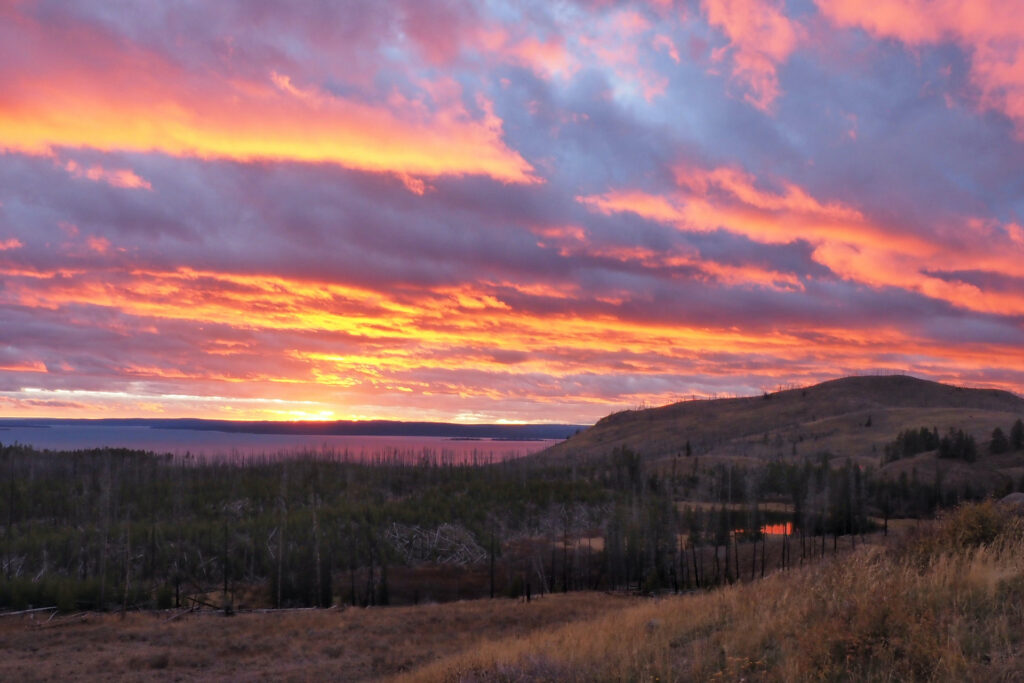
{"points": [[239, 446]]}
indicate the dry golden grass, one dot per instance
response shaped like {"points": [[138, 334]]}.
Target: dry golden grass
{"points": [[937, 608], [348, 645]]}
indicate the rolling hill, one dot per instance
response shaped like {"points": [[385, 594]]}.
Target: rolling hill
{"points": [[852, 417]]}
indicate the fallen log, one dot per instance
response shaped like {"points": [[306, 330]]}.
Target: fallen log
{"points": [[27, 611]]}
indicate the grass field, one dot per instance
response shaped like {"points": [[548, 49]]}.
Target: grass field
{"points": [[336, 644]]}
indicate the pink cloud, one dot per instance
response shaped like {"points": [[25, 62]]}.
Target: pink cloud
{"points": [[118, 177], [622, 43], [990, 31], [546, 57], [98, 244], [760, 38], [666, 44]]}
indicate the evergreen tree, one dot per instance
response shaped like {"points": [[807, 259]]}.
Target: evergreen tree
{"points": [[1017, 435], [999, 444], [958, 444]]}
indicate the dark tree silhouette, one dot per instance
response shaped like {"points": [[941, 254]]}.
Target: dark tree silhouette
{"points": [[1017, 435], [999, 442]]}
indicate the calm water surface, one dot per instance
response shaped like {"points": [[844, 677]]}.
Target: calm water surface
{"points": [[224, 445]]}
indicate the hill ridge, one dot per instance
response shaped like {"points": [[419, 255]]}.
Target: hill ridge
{"points": [[851, 416]]}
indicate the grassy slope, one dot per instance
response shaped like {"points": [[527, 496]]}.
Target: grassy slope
{"points": [[935, 607], [826, 417]]}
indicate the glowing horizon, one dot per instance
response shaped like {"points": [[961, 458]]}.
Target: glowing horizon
{"points": [[505, 213]]}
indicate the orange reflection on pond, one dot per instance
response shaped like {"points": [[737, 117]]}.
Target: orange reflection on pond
{"points": [[785, 529]]}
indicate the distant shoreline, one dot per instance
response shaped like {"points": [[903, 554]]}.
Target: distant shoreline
{"points": [[497, 432]]}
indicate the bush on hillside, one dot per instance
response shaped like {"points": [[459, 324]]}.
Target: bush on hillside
{"points": [[965, 528]]}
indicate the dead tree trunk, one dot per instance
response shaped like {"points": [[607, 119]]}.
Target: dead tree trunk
{"points": [[224, 564], [736, 557], [106, 532], [764, 551], [316, 553], [492, 563], [283, 523], [127, 564]]}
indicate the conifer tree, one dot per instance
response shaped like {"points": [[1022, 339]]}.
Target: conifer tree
{"points": [[1017, 435], [999, 443]]}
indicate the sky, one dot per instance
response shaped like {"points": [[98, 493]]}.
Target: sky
{"points": [[502, 211]]}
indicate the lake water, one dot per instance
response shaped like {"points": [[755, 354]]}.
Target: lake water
{"points": [[238, 446]]}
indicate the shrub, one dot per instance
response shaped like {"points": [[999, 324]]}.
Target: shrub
{"points": [[968, 526]]}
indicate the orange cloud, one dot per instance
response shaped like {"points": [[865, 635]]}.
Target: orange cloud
{"points": [[438, 319], [760, 38], [98, 244], [991, 31], [695, 266], [729, 198], [321, 347], [844, 240], [31, 366], [72, 88]]}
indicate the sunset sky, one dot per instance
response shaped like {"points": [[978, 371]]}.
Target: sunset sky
{"points": [[502, 211]]}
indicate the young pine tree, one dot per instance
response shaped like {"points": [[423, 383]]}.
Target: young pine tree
{"points": [[999, 443], [1017, 435]]}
